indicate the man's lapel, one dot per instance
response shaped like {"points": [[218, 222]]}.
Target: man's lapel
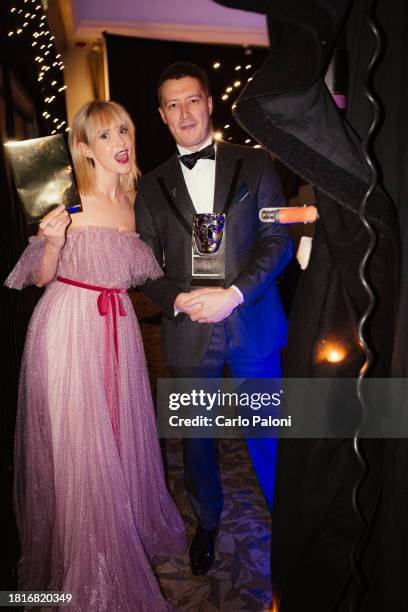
{"points": [[226, 169], [177, 189]]}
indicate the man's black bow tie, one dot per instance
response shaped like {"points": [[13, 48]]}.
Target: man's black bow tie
{"points": [[190, 160]]}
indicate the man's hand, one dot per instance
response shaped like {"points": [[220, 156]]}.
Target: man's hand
{"points": [[211, 305], [193, 306]]}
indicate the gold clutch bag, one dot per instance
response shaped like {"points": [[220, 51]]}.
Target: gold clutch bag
{"points": [[43, 176]]}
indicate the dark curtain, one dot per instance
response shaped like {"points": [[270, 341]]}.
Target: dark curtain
{"points": [[391, 142], [389, 542], [16, 308]]}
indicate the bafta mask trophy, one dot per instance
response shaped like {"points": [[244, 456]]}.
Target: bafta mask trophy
{"points": [[208, 249]]}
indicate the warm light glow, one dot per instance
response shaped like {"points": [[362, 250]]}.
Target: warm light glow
{"points": [[238, 67], [248, 140], [224, 97], [226, 126], [237, 83], [216, 65], [332, 352], [257, 146], [217, 135], [334, 356], [248, 66], [250, 79], [274, 606]]}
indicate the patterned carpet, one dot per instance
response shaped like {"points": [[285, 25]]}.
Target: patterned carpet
{"points": [[239, 579]]}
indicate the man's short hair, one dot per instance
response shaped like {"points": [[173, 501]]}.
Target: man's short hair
{"points": [[179, 70]]}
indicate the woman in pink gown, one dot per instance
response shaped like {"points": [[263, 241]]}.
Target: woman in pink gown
{"points": [[92, 507]]}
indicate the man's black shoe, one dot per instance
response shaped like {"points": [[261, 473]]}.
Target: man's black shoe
{"points": [[202, 551]]}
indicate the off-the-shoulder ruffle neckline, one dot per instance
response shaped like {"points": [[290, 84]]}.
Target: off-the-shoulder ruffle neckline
{"points": [[81, 228]]}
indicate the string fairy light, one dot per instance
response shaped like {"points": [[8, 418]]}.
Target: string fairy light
{"points": [[236, 72], [29, 23]]}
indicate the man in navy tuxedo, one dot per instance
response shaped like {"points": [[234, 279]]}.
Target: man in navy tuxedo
{"points": [[241, 324]]}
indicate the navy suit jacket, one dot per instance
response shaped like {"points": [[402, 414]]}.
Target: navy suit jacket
{"points": [[256, 252]]}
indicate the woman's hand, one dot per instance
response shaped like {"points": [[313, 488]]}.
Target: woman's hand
{"points": [[54, 226]]}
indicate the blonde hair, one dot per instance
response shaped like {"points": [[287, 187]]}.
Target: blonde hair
{"points": [[89, 119]]}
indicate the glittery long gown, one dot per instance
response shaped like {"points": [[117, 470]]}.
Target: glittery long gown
{"points": [[92, 507]]}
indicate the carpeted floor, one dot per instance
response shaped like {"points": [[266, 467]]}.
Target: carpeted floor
{"points": [[239, 579]]}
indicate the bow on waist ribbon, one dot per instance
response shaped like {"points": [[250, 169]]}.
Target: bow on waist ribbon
{"points": [[108, 298]]}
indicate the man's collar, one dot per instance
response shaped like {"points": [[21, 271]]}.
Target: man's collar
{"points": [[184, 151]]}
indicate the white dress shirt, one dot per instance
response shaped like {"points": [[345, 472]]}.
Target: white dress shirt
{"points": [[200, 180]]}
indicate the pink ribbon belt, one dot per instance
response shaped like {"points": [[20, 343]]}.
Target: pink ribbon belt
{"points": [[107, 299]]}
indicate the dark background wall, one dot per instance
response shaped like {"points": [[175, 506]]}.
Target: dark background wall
{"points": [[134, 65], [21, 106]]}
